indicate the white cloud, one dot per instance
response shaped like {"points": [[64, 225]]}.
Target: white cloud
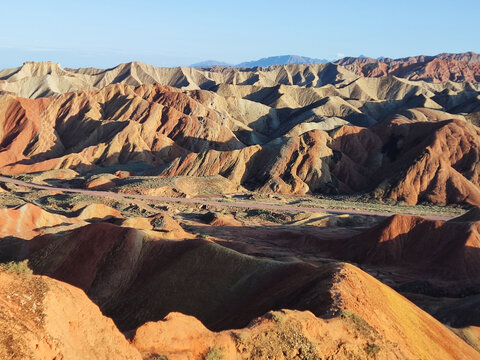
{"points": [[340, 55]]}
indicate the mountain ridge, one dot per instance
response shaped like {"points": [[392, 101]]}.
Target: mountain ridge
{"points": [[281, 60], [33, 80], [469, 57], [263, 62]]}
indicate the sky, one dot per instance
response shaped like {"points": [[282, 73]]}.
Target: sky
{"points": [[104, 33]]}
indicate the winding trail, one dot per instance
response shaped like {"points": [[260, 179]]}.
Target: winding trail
{"points": [[239, 204]]}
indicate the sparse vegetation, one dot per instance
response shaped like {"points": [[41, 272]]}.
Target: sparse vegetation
{"points": [[215, 353], [268, 215], [276, 316], [202, 236], [360, 324], [160, 357], [24, 177], [20, 267], [370, 204], [364, 328], [240, 337], [372, 349]]}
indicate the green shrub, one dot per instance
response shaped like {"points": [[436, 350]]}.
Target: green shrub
{"points": [[372, 349], [215, 353], [360, 324], [161, 357], [20, 267], [202, 236], [276, 316]]}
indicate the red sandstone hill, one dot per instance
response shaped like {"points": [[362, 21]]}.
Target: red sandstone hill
{"points": [[447, 250], [411, 161], [416, 155], [400, 160]]}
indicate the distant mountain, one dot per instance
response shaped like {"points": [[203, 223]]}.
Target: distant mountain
{"points": [[282, 60], [209, 63], [269, 61]]}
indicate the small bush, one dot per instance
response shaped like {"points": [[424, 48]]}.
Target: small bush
{"points": [[372, 349], [20, 267], [215, 353], [161, 357], [268, 215], [25, 177], [360, 324], [202, 236], [276, 316], [241, 337]]}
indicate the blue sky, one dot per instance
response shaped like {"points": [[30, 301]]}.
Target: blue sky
{"points": [[104, 33]]}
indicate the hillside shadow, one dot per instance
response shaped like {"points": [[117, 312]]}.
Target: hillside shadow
{"points": [[197, 145], [195, 290], [443, 256]]}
